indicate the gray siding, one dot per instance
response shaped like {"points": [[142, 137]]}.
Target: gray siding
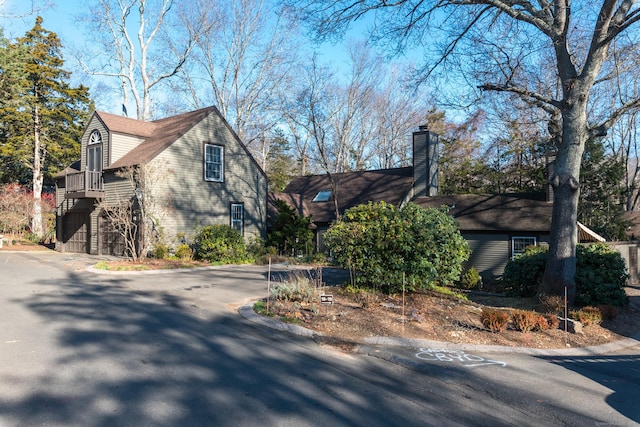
{"points": [[94, 124], [190, 200], [195, 201], [121, 144], [114, 145], [489, 254]]}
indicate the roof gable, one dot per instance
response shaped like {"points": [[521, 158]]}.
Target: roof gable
{"points": [[159, 134]]}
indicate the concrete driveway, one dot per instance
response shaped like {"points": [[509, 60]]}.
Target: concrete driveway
{"points": [[169, 349]]}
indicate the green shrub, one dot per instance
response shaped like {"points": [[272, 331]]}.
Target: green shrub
{"points": [[184, 252], [256, 247], [601, 274], [471, 279], [386, 245], [33, 238], [587, 315], [524, 320], [289, 232], [493, 319], [159, 250], [295, 288], [220, 244], [523, 275]]}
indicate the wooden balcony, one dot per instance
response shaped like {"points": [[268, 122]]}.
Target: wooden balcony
{"points": [[84, 185]]}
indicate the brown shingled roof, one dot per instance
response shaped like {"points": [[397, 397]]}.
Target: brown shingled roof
{"points": [[353, 188], [505, 212], [126, 125], [160, 133]]}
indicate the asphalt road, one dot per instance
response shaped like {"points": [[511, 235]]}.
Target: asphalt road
{"points": [[84, 349]]}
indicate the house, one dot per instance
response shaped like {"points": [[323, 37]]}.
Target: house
{"points": [[497, 227], [208, 177]]}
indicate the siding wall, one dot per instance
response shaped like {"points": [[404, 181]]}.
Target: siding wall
{"points": [[94, 124], [121, 144], [195, 201], [114, 145], [192, 200], [490, 252]]}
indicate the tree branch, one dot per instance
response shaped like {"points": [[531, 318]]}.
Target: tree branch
{"points": [[538, 98], [602, 128]]}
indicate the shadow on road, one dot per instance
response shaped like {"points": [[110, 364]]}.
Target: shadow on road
{"points": [[145, 358], [620, 374], [151, 358]]}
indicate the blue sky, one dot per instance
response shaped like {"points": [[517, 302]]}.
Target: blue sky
{"points": [[61, 15]]}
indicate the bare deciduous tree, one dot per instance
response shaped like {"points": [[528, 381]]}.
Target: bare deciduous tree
{"points": [[497, 44], [139, 44], [138, 218], [246, 54]]}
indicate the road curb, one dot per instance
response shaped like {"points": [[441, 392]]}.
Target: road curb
{"points": [[247, 312]]}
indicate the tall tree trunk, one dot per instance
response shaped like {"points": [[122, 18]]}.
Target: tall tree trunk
{"points": [[36, 219], [561, 264]]}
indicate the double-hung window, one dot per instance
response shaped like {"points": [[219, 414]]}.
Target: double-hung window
{"points": [[237, 216], [520, 243], [213, 163]]}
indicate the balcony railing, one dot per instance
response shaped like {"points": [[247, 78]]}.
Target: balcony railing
{"points": [[86, 184]]}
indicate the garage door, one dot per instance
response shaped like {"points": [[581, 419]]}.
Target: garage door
{"points": [[111, 241], [75, 231]]}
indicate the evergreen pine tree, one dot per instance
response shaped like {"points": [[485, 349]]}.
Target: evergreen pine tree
{"points": [[45, 117]]}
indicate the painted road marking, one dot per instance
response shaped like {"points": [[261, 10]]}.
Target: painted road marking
{"points": [[467, 360]]}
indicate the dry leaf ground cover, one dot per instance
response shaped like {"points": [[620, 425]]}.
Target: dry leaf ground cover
{"points": [[354, 316]]}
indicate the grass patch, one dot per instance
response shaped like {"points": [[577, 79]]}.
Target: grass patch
{"points": [[260, 307], [102, 265], [149, 264], [292, 320]]}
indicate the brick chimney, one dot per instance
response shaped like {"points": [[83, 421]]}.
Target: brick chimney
{"points": [[425, 162]]}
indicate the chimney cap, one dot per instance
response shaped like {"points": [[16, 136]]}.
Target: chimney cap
{"points": [[424, 127]]}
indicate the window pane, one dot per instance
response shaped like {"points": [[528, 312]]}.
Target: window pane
{"points": [[519, 244], [322, 196], [213, 163], [237, 213]]}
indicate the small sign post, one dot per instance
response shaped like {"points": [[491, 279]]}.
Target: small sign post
{"points": [[326, 300]]}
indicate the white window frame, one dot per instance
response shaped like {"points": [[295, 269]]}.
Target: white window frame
{"points": [[237, 217], [210, 160], [520, 243]]}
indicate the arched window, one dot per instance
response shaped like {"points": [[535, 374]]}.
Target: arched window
{"points": [[94, 151]]}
